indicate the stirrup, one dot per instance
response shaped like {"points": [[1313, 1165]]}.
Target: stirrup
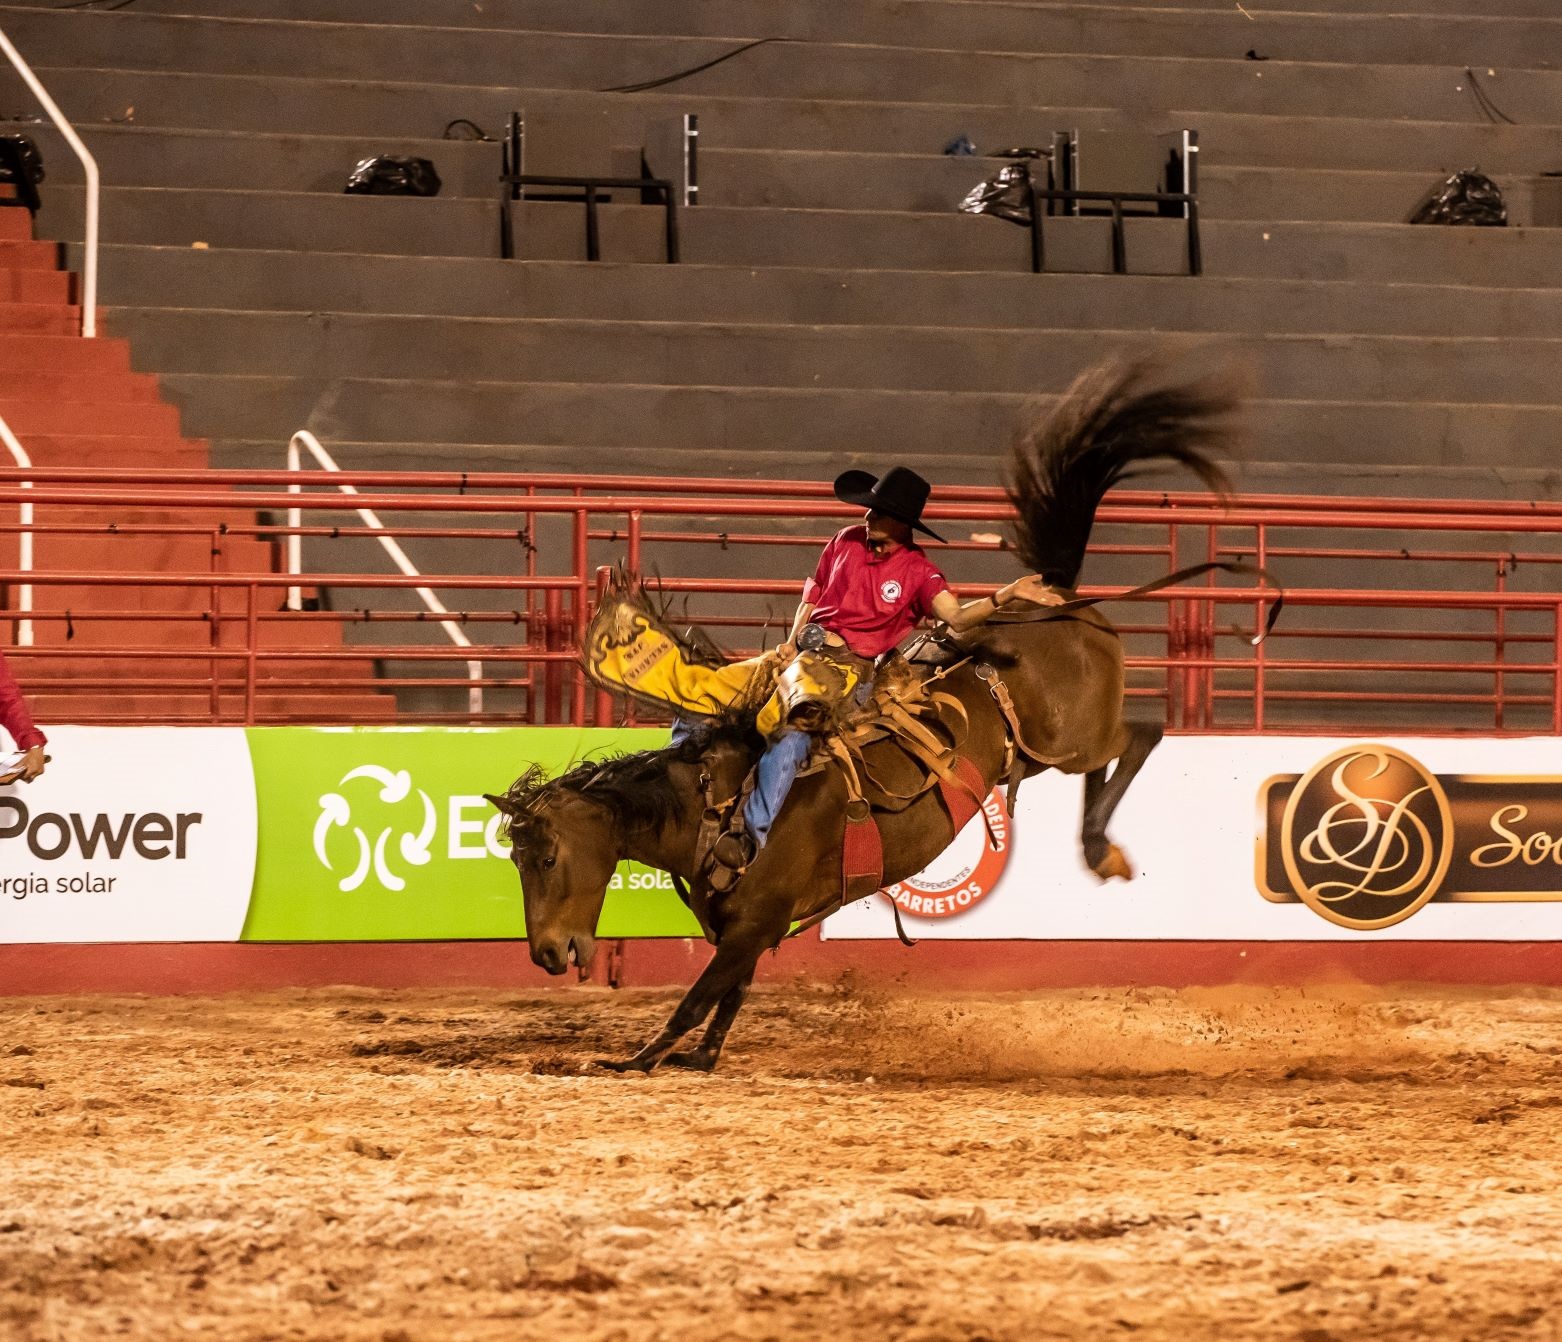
{"points": [[730, 855]]}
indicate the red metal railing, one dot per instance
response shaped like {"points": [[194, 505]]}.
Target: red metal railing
{"points": [[1403, 614]]}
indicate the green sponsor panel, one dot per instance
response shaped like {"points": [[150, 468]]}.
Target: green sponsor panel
{"points": [[382, 834]]}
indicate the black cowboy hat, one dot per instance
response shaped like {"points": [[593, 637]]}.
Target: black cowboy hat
{"points": [[898, 493]]}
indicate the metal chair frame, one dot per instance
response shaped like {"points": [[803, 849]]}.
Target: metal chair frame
{"points": [[587, 190]]}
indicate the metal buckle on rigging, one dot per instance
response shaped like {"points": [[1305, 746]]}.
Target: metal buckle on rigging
{"points": [[812, 637]]}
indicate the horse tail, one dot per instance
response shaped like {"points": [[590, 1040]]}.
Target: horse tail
{"points": [[1116, 419]]}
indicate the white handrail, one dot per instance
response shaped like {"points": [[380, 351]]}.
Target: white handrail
{"points": [[89, 271], [295, 553], [24, 558]]}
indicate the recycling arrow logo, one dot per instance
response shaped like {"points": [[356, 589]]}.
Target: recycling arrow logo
{"points": [[336, 822]]}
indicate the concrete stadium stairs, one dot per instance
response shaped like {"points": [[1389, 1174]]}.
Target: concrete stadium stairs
{"points": [[832, 305], [832, 309], [73, 401]]}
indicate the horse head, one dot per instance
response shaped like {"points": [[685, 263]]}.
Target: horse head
{"points": [[565, 846]]}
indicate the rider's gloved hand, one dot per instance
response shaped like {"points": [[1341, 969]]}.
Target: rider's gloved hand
{"points": [[1033, 588]]}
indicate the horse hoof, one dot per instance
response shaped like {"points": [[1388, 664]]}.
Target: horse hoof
{"points": [[627, 1065], [694, 1060], [1114, 864]]}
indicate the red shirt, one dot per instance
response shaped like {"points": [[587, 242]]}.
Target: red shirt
{"points": [[14, 716], [871, 602]]}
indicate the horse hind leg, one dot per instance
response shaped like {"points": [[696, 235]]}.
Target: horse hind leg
{"points": [[1103, 793]]}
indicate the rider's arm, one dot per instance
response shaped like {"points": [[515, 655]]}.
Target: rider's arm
{"points": [[947, 607], [788, 649], [813, 589]]}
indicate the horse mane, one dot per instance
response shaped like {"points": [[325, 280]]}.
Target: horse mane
{"points": [[1115, 420], [633, 786]]}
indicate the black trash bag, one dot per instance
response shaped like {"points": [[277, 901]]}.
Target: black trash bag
{"points": [[1004, 195], [32, 160], [386, 176], [1465, 198]]}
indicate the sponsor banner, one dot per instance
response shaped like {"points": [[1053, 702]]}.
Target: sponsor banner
{"points": [[143, 835], [382, 834], [1268, 839], [289, 834], [313, 834]]}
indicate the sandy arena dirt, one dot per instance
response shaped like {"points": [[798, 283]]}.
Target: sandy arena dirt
{"points": [[407, 1167]]}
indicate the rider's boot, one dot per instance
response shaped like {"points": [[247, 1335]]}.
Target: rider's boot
{"points": [[773, 778]]}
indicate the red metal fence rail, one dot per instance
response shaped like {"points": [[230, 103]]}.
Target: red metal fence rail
{"points": [[1403, 614]]}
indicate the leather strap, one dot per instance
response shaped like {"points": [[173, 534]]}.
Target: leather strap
{"points": [[1239, 567], [988, 675]]}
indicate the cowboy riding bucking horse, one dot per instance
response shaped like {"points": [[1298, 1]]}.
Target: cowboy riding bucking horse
{"points": [[842, 762]]}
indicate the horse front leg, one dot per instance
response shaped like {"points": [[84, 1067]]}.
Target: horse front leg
{"points": [[732, 967], [703, 1058], [1102, 794]]}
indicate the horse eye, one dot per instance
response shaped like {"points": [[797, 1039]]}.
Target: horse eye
{"points": [[548, 863]]}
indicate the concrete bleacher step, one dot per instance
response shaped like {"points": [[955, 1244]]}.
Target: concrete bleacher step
{"points": [[51, 318], [610, 43], [931, 357], [967, 462], [157, 452], [845, 239], [261, 281], [1143, 79], [728, 421], [86, 388], [571, 128], [1150, 29], [23, 285], [936, 183], [804, 19], [790, 178], [29, 255], [301, 221], [1539, 9], [102, 356], [96, 418]]}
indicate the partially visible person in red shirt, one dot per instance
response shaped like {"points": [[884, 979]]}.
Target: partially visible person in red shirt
{"points": [[15, 718]]}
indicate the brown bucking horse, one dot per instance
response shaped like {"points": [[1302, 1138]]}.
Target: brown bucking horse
{"points": [[1065, 676]]}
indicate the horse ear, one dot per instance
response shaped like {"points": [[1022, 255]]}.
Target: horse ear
{"points": [[502, 803]]}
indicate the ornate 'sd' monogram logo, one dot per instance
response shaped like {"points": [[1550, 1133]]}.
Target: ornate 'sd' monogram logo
{"points": [[1366, 837]]}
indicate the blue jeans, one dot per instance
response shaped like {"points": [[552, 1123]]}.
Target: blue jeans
{"points": [[775, 774]]}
